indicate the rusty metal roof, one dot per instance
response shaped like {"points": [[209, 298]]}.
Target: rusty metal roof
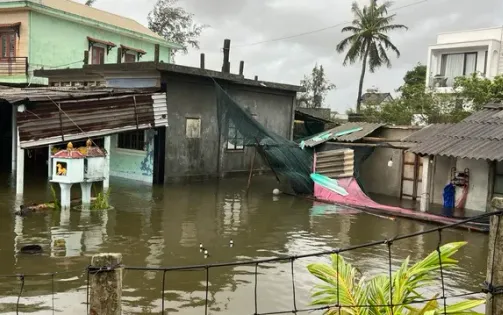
{"points": [[20, 95], [480, 136], [60, 120], [362, 129]]}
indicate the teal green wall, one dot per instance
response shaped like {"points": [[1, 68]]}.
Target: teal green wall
{"points": [[136, 165], [56, 42]]}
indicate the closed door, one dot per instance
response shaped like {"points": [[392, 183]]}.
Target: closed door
{"points": [[7, 51], [98, 55]]}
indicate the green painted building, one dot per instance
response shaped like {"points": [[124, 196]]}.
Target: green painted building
{"points": [[59, 34]]}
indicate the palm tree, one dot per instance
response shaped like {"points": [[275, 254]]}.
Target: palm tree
{"points": [[369, 41]]}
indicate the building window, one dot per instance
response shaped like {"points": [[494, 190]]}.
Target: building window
{"points": [[132, 140], [193, 128], [456, 65], [98, 55], [7, 45], [129, 58], [235, 140]]}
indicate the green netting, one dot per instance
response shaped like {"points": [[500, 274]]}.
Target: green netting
{"points": [[285, 157]]}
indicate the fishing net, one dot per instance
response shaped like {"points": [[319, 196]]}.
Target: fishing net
{"points": [[288, 161]]}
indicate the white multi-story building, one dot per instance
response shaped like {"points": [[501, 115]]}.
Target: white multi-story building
{"points": [[462, 54]]}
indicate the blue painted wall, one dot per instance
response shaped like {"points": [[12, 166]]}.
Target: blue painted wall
{"points": [[131, 164]]}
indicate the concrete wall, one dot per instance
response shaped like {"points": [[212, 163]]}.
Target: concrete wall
{"points": [[480, 181], [316, 112], [132, 164], [206, 156], [441, 176], [67, 41], [380, 179], [470, 35], [375, 174]]}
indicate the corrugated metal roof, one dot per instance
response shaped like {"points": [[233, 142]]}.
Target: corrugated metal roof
{"points": [[365, 130], [17, 95], [479, 136], [426, 132], [54, 121]]}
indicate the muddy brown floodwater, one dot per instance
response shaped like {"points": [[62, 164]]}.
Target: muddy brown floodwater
{"points": [[163, 226]]}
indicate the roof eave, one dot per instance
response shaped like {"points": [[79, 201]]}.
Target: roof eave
{"points": [[87, 21]]}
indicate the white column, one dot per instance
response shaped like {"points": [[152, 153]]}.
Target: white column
{"points": [[425, 184], [65, 198], [49, 164], [14, 139], [19, 168], [106, 182], [86, 193]]}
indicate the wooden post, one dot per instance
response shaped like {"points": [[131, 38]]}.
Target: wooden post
{"points": [[202, 61], [119, 55], [494, 278], [86, 57], [157, 53], [251, 170], [241, 67], [105, 281]]}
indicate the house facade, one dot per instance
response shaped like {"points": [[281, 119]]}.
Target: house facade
{"points": [[462, 54], [468, 154], [193, 146], [55, 34]]}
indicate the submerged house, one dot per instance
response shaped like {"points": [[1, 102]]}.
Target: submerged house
{"points": [[382, 166], [43, 118], [196, 145], [468, 154], [54, 34]]}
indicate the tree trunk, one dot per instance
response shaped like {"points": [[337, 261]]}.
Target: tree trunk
{"points": [[362, 76]]}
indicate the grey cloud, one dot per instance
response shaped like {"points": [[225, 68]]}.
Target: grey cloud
{"points": [[250, 21]]}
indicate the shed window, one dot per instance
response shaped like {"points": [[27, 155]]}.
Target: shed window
{"points": [[235, 140], [132, 140], [193, 128]]}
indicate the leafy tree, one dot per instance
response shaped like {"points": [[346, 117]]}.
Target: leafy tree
{"points": [[317, 87], [478, 90], [344, 285], [416, 101], [369, 41], [175, 24]]}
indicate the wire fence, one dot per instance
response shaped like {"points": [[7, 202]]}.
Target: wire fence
{"points": [[488, 287]]}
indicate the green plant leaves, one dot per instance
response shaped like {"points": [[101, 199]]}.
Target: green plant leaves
{"points": [[344, 286]]}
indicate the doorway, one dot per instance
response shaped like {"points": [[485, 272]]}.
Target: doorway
{"points": [[412, 172], [5, 137]]}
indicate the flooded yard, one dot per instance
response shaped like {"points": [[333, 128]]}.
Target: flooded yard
{"points": [[163, 226]]}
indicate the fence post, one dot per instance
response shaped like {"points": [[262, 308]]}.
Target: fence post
{"points": [[105, 281], [494, 277]]}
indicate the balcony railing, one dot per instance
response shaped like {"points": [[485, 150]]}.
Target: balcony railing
{"points": [[13, 66]]}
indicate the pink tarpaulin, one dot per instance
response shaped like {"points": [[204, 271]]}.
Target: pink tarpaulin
{"points": [[356, 197]]}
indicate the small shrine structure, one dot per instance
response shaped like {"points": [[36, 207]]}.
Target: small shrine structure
{"points": [[82, 166]]}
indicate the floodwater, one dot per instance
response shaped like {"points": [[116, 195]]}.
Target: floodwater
{"points": [[163, 226]]}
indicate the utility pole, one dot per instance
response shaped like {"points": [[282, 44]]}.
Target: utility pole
{"points": [[494, 277]]}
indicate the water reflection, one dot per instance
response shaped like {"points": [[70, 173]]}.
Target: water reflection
{"points": [[163, 226]]}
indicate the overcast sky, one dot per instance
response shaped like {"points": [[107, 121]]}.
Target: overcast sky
{"points": [[248, 22]]}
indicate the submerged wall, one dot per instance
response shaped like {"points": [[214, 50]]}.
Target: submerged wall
{"points": [[133, 164], [194, 149]]}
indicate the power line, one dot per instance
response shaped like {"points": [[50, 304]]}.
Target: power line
{"points": [[318, 30]]}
